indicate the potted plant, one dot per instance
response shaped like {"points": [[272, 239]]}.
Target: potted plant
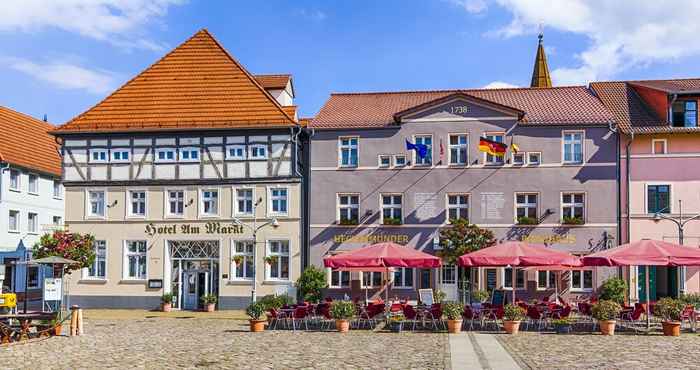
{"points": [[614, 289], [439, 296], [606, 312], [166, 302], [237, 259], [255, 311], [527, 221], [342, 312], [481, 296], [209, 302], [670, 311], [392, 221], [396, 322], [453, 312], [512, 315], [270, 260], [311, 284], [348, 222], [562, 326], [566, 220]]}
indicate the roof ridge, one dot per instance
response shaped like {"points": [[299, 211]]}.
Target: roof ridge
{"points": [[273, 74], [653, 80], [459, 90], [40, 121]]}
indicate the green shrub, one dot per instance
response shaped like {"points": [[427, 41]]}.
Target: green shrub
{"points": [[669, 309], [208, 299], [348, 222], [342, 310], [167, 298], [566, 220], [439, 296], [606, 310], [562, 322], [481, 296], [311, 284], [513, 312], [255, 310], [692, 299], [453, 310], [275, 301], [614, 289], [392, 221], [527, 221]]}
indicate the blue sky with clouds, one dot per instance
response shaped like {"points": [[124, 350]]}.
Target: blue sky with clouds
{"points": [[60, 57]]}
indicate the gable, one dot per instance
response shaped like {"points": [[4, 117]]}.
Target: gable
{"points": [[458, 107]]}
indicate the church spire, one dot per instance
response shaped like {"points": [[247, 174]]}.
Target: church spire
{"points": [[540, 74]]}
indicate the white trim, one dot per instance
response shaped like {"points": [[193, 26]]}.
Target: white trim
{"points": [[362, 279], [36, 225], [340, 153], [646, 195], [674, 155], [85, 270], [166, 203], [582, 289], [492, 166], [272, 214], [403, 275], [449, 150], [542, 225], [165, 160], [379, 161], [242, 147], [18, 221], [29, 183], [414, 154], [561, 204], [539, 156], [129, 213], [234, 196], [189, 149], [267, 266], [60, 189], [200, 196], [515, 205], [114, 151], [583, 147], [88, 208], [106, 154], [18, 189], [253, 147], [337, 206], [405, 162], [519, 164], [500, 164], [125, 261], [447, 205], [653, 146], [502, 271], [232, 265], [549, 284], [455, 119], [329, 274], [381, 207]]}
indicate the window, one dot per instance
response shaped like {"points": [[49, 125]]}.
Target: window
{"points": [[32, 277], [684, 113], [278, 269], [176, 202], [658, 146], [399, 160], [494, 159], [518, 159], [57, 191], [244, 202], [278, 201], [210, 202], [572, 207], [165, 155], [392, 209], [98, 155], [96, 200], [120, 155], [57, 220], [581, 280], [371, 279], [135, 260], [339, 279], [33, 184], [14, 180], [458, 149], [348, 209], [534, 158], [138, 203], [235, 152], [457, 206], [384, 161], [348, 151], [491, 279], [403, 277], [508, 278], [258, 151], [98, 267], [13, 221], [426, 140], [243, 265], [32, 223], [573, 147], [526, 208], [545, 279], [658, 199], [189, 154]]}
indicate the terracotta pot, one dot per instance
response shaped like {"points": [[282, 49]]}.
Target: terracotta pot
{"points": [[454, 326], [511, 327], [210, 307], [57, 329], [607, 327], [671, 328], [342, 325], [256, 326], [166, 307]]}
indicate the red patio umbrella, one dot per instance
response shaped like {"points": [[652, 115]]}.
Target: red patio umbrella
{"points": [[645, 252], [518, 253]]}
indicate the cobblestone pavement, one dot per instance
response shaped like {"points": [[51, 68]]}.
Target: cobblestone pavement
{"points": [[595, 351], [218, 343]]}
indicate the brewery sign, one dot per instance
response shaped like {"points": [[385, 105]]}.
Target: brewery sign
{"points": [[212, 227]]}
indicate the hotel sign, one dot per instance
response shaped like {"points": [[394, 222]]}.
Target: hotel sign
{"points": [[366, 239], [189, 229]]}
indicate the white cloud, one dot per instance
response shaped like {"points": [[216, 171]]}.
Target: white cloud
{"points": [[314, 15], [472, 6], [621, 33], [119, 22], [499, 85], [65, 75]]}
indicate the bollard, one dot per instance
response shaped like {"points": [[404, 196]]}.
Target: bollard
{"points": [[74, 320], [80, 321]]}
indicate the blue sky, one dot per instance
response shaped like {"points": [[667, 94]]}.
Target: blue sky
{"points": [[60, 59]]}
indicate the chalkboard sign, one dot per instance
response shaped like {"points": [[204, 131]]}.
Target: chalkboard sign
{"points": [[426, 296], [498, 297]]}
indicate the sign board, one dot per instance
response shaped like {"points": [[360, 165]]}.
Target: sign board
{"points": [[212, 227], [2, 272], [498, 297], [426, 296], [52, 289], [155, 283]]}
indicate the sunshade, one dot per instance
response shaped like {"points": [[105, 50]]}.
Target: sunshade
{"points": [[645, 252], [382, 255], [518, 253]]}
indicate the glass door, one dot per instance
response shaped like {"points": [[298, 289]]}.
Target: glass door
{"points": [[448, 282]]}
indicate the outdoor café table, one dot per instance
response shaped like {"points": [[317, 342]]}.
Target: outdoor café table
{"points": [[694, 320], [25, 321]]}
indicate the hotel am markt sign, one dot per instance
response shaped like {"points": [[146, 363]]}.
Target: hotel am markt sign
{"points": [[211, 228]]}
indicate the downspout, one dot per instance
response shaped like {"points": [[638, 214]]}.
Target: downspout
{"points": [[627, 197], [2, 171]]}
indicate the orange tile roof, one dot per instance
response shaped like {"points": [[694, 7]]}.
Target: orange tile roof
{"points": [[25, 142], [273, 81], [198, 85], [305, 121], [568, 105], [630, 111]]}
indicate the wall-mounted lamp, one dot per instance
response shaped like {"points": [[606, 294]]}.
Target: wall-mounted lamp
{"points": [[113, 203], [190, 202]]}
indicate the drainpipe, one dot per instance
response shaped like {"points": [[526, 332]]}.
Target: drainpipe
{"points": [[627, 197], [6, 167], [669, 117]]}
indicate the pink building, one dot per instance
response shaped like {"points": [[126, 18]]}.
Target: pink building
{"points": [[659, 173]]}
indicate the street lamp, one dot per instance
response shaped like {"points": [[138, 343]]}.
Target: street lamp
{"points": [[254, 229], [680, 222]]}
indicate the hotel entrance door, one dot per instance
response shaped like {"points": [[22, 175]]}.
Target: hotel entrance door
{"points": [[448, 282], [196, 284]]}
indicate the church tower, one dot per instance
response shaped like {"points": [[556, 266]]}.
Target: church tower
{"points": [[540, 74]]}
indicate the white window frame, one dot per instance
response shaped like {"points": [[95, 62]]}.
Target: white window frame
{"points": [[340, 284], [526, 205], [121, 152], [32, 228], [430, 151], [88, 204], [518, 163], [202, 214], [57, 189], [349, 147], [653, 146], [101, 153], [392, 206], [167, 199], [57, 220], [17, 220], [384, 156], [339, 207], [86, 271], [252, 148], [29, 183], [130, 203], [563, 146], [573, 203], [270, 211], [539, 158], [550, 281], [246, 255], [460, 147], [582, 288], [364, 284], [517, 271], [165, 158], [460, 206], [268, 252], [396, 164], [125, 260], [236, 209], [18, 175], [236, 147], [189, 150], [402, 283], [501, 160]]}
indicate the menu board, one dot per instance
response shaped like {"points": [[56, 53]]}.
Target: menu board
{"points": [[426, 205], [492, 206]]}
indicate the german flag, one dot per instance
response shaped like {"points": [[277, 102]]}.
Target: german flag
{"points": [[492, 147]]}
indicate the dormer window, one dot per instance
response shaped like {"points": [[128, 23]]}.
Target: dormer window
{"points": [[684, 113]]}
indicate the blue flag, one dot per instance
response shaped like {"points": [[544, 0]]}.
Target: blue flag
{"points": [[421, 149]]}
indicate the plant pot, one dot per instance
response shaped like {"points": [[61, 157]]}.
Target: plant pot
{"points": [[454, 326], [166, 307], [607, 327], [563, 329], [511, 327], [396, 326], [57, 330], [210, 307], [671, 328], [343, 326], [256, 326]]}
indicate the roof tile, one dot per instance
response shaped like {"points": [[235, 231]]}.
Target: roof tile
{"points": [[26, 142]]}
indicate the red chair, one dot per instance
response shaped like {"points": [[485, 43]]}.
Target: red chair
{"points": [[534, 316], [300, 315], [633, 318], [410, 314], [468, 314], [688, 315]]}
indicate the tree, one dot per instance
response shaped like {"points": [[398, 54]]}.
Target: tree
{"points": [[462, 237], [72, 246], [614, 289], [311, 284]]}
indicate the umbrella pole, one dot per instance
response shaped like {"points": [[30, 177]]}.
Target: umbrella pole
{"points": [[646, 278], [556, 287], [386, 287], [512, 283]]}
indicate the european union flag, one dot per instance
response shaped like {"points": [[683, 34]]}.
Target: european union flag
{"points": [[421, 149]]}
